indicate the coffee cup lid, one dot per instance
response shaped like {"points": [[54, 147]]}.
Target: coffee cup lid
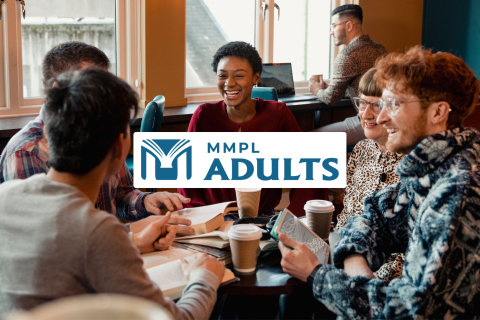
{"points": [[244, 232], [248, 189], [319, 206]]}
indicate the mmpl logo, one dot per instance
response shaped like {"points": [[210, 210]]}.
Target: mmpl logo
{"points": [[166, 153]]}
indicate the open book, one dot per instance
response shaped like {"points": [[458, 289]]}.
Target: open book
{"points": [[207, 218], [294, 228], [169, 276]]}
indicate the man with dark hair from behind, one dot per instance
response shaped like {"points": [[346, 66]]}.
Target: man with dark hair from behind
{"points": [[53, 241], [358, 56], [432, 214], [73, 55], [27, 152]]}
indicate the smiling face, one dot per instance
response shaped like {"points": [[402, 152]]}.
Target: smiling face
{"points": [[235, 80], [408, 127], [370, 126]]}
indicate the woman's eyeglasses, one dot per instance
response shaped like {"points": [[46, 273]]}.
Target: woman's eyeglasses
{"points": [[362, 105], [391, 105]]}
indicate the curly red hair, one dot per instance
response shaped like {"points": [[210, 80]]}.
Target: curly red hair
{"points": [[433, 77]]}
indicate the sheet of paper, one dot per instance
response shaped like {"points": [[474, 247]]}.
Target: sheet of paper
{"points": [[170, 279], [216, 242], [201, 214], [156, 258], [226, 226], [215, 233]]}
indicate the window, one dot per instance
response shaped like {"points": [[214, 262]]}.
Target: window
{"points": [[281, 30], [50, 22], [302, 37], [211, 24], [110, 25]]}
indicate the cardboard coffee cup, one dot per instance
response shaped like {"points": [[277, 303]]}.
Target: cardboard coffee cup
{"points": [[319, 216], [248, 201], [317, 77], [244, 242]]}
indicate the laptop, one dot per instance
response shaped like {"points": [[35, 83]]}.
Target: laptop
{"points": [[280, 76]]}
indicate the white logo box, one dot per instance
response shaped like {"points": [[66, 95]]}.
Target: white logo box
{"points": [[317, 158]]}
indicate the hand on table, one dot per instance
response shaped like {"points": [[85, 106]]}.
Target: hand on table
{"points": [[203, 261], [160, 200], [315, 86], [356, 265], [156, 235], [300, 261], [138, 226]]}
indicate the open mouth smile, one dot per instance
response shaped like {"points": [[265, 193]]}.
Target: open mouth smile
{"points": [[391, 131], [370, 125], [231, 94]]}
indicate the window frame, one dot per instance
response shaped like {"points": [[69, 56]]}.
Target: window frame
{"points": [[264, 40], [128, 66]]}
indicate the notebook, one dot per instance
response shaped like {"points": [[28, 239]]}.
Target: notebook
{"points": [[280, 77]]}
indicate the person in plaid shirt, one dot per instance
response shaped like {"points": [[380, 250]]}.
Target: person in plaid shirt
{"points": [[26, 153]]}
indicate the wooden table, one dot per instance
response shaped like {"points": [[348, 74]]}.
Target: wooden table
{"points": [[268, 279], [256, 296]]}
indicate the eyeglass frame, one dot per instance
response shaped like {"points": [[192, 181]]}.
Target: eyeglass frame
{"points": [[333, 25], [369, 103], [391, 111]]}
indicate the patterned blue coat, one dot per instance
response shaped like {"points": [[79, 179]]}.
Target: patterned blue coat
{"points": [[433, 215]]}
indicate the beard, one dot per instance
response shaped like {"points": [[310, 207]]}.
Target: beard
{"points": [[340, 38], [409, 136]]}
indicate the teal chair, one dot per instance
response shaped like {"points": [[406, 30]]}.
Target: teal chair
{"points": [[151, 122], [265, 93]]}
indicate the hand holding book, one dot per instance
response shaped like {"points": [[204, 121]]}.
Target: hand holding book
{"points": [[299, 261], [154, 202]]}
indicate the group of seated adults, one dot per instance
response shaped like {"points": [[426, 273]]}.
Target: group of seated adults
{"points": [[408, 236]]}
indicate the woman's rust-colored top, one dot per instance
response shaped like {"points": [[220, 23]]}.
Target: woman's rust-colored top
{"points": [[270, 116]]}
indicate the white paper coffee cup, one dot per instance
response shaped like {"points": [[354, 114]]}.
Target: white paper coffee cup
{"points": [[248, 201], [244, 242], [319, 216]]}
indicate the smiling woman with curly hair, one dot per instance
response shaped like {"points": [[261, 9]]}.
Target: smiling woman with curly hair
{"points": [[238, 67]]}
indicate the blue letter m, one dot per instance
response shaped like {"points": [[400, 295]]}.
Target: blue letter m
{"points": [[166, 153]]}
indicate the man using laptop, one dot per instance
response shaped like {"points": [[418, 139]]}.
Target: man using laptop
{"points": [[351, 63]]}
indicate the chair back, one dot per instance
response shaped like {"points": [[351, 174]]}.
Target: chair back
{"points": [[473, 120], [95, 307], [153, 115], [265, 93]]}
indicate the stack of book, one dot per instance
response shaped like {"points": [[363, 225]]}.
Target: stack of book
{"points": [[223, 255], [210, 237]]}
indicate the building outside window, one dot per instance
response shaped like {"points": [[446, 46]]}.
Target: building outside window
{"points": [[51, 22], [300, 35]]}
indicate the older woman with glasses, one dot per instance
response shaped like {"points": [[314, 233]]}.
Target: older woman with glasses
{"points": [[371, 167]]}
